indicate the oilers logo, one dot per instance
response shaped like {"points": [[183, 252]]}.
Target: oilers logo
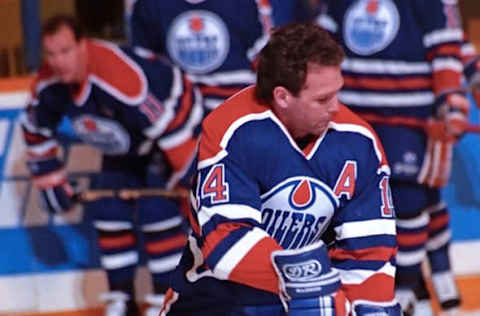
{"points": [[370, 26], [107, 135], [198, 41], [297, 211]]}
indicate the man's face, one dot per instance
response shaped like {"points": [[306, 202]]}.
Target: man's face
{"points": [[315, 105], [65, 55]]}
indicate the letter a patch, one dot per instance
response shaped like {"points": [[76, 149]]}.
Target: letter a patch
{"points": [[346, 181]]}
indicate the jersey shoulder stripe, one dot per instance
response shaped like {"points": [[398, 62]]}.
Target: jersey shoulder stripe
{"points": [[220, 124]]}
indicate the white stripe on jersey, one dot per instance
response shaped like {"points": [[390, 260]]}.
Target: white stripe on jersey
{"points": [[237, 252], [163, 225], [358, 276], [439, 240], [42, 148], [387, 67], [225, 78], [164, 264], [410, 258], [442, 36], [415, 222], [230, 211], [327, 23], [177, 138], [120, 260], [447, 64], [167, 116], [372, 99], [112, 225], [367, 228]]}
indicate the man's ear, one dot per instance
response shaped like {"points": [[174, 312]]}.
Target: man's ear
{"points": [[281, 96]]}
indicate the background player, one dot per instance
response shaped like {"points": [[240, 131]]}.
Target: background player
{"points": [[404, 59], [142, 114]]}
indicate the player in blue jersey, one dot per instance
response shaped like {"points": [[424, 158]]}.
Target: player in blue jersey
{"points": [[403, 61], [134, 110], [291, 211], [214, 41]]}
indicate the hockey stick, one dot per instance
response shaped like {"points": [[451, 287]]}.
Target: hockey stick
{"points": [[408, 122], [129, 194]]}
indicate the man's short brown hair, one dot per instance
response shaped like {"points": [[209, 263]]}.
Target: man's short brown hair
{"points": [[285, 58], [53, 24]]}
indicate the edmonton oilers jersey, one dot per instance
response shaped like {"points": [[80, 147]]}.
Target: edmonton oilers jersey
{"points": [[256, 191], [214, 41], [125, 106], [401, 56]]}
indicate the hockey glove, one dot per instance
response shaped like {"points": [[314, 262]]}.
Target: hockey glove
{"points": [[367, 308], [56, 193], [454, 113], [442, 133], [308, 284]]}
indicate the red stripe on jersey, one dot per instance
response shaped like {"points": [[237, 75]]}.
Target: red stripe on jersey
{"points": [[162, 246], [185, 106], [113, 68], [49, 153], [32, 138], [386, 83], [216, 124], [377, 253], [181, 155], [216, 236], [438, 222], [219, 91], [256, 269], [446, 80], [116, 242], [412, 239], [446, 49], [377, 288]]}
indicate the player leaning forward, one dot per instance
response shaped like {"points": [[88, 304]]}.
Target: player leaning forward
{"points": [[291, 204]]}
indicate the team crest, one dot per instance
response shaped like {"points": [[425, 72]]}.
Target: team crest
{"points": [[370, 26], [107, 135], [198, 41], [297, 211]]}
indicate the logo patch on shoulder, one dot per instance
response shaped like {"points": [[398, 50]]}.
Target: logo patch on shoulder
{"points": [[370, 26], [198, 41]]}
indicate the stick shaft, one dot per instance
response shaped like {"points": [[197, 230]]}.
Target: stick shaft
{"points": [[128, 194]]}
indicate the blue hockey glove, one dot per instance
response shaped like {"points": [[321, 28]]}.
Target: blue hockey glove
{"points": [[366, 308], [56, 193], [308, 284]]}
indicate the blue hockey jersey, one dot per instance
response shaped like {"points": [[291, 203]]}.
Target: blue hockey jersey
{"points": [[124, 107], [402, 56], [214, 41], [256, 191]]}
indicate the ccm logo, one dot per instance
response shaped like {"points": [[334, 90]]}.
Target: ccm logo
{"points": [[302, 271]]}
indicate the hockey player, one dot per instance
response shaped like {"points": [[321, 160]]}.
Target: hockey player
{"points": [[131, 109], [281, 167], [214, 41], [404, 59]]}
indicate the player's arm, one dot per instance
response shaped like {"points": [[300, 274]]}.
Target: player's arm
{"points": [[39, 122], [364, 246], [443, 38]]}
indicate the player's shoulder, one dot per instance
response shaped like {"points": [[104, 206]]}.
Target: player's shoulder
{"points": [[236, 110], [355, 131], [116, 72]]}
